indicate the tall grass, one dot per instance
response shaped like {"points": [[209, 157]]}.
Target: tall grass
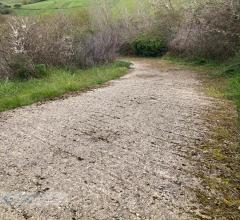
{"points": [[16, 93]]}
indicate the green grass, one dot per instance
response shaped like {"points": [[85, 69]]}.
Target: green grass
{"points": [[16, 93], [52, 6], [233, 90], [69, 6]]}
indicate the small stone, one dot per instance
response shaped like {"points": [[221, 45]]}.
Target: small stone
{"points": [[80, 158]]}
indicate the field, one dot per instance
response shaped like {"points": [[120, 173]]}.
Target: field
{"points": [[68, 6], [52, 6]]}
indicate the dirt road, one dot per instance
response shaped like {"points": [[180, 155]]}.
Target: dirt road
{"points": [[117, 152]]}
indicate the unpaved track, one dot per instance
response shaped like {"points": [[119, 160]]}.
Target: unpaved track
{"points": [[118, 152]]}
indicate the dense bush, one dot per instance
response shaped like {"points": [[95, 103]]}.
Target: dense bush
{"points": [[58, 40], [208, 29], [148, 46], [211, 31], [17, 5], [5, 9], [22, 66], [97, 47], [205, 29]]}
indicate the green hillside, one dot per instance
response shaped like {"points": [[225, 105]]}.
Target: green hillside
{"points": [[48, 6], [66, 6]]}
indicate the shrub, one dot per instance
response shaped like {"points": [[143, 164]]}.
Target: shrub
{"points": [[49, 40], [17, 6], [22, 67], [41, 70], [5, 11], [210, 31], [149, 46], [97, 47], [57, 40]]}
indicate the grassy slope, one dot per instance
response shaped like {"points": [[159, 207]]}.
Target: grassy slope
{"points": [[66, 6], [15, 93], [10, 1]]}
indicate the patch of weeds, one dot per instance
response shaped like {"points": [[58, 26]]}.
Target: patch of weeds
{"points": [[221, 159], [121, 63]]}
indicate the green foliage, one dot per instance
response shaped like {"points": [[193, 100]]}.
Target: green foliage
{"points": [[16, 93], [124, 64], [5, 9], [22, 67], [233, 90], [41, 70], [232, 68], [17, 5], [149, 46]]}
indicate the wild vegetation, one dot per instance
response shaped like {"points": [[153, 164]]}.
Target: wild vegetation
{"points": [[220, 159], [28, 44], [31, 46], [205, 35], [56, 82], [39, 54], [202, 32]]}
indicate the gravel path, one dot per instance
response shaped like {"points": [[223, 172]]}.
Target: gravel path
{"points": [[117, 152]]}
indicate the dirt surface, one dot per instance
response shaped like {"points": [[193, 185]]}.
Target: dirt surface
{"points": [[117, 152]]}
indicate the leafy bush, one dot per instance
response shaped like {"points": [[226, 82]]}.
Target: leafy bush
{"points": [[149, 46], [22, 67], [5, 9], [17, 5], [41, 69]]}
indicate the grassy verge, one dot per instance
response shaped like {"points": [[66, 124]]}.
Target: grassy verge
{"points": [[16, 93], [223, 79], [220, 151]]}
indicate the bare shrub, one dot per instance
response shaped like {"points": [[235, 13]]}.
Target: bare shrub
{"points": [[5, 50], [211, 30], [50, 41], [14, 58], [100, 46], [59, 40], [105, 35], [169, 16]]}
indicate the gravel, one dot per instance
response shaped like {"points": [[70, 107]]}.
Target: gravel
{"points": [[117, 152]]}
